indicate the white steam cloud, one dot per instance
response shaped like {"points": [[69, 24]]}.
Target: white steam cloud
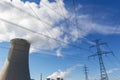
{"points": [[41, 19], [63, 74]]}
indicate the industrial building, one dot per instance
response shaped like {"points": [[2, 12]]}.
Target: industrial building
{"points": [[58, 78], [16, 66]]}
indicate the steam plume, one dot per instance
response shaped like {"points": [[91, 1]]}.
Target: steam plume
{"points": [[63, 74]]}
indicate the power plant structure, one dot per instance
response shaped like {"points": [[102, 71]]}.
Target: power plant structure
{"points": [[16, 66], [86, 72], [58, 78]]}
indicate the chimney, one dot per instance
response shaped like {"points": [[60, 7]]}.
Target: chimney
{"points": [[16, 66]]}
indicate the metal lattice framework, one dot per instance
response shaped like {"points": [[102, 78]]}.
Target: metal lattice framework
{"points": [[100, 53], [86, 72]]}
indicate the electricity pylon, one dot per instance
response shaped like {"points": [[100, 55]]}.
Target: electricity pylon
{"points": [[100, 53], [41, 76], [86, 72]]}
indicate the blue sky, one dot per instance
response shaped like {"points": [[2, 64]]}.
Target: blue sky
{"points": [[104, 14]]}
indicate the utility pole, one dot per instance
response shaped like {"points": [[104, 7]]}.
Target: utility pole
{"points": [[100, 53], [86, 72]]}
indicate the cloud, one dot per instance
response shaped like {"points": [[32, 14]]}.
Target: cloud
{"points": [[63, 74], [113, 70], [20, 13], [58, 53], [46, 18]]}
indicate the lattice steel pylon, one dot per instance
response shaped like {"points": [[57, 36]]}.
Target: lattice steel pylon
{"points": [[100, 53], [41, 76], [86, 72]]}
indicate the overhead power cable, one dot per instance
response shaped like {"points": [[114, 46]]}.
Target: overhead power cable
{"points": [[67, 21], [36, 17], [117, 59], [75, 12], [42, 34], [53, 54]]}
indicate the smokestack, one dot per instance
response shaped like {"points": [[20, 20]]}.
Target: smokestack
{"points": [[16, 66]]}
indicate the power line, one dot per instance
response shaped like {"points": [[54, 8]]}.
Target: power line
{"points": [[47, 53], [75, 12], [67, 20], [48, 36], [42, 34], [117, 59], [37, 17], [52, 9]]}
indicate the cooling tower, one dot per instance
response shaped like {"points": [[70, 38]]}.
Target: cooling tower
{"points": [[16, 66]]}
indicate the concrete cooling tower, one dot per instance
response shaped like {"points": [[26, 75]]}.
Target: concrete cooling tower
{"points": [[16, 66]]}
